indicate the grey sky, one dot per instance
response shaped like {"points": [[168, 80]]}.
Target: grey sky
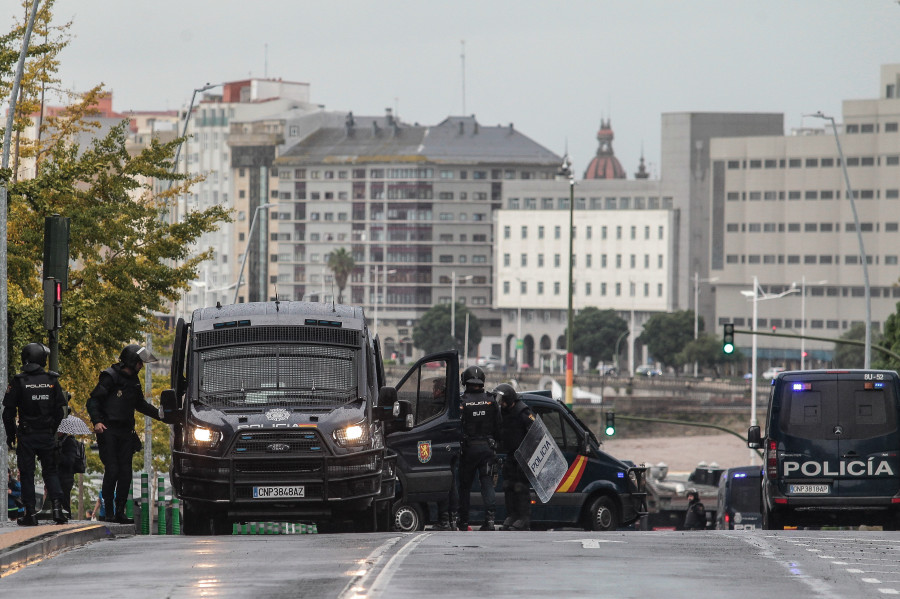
{"points": [[552, 68]]}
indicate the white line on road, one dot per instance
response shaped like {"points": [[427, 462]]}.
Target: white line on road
{"points": [[889, 591], [381, 582], [589, 543], [356, 586], [871, 580]]}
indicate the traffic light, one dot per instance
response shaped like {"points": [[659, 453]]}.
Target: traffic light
{"points": [[52, 304], [728, 338], [610, 424]]}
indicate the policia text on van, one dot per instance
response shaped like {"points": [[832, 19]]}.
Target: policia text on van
{"points": [[275, 415], [831, 449]]}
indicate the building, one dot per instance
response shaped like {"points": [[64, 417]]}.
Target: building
{"points": [[780, 211], [414, 204]]}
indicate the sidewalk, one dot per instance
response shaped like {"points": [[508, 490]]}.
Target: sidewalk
{"points": [[23, 545]]}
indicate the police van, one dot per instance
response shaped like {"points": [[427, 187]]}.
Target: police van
{"points": [[738, 499], [830, 449], [598, 492]]}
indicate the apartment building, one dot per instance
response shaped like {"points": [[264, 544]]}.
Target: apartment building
{"points": [[781, 212]]}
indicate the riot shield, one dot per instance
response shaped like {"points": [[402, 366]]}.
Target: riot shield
{"points": [[541, 461]]}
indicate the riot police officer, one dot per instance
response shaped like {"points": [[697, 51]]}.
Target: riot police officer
{"points": [[695, 516], [111, 407], [480, 418], [517, 419], [41, 404]]}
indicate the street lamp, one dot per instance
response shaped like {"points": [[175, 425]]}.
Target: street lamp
{"points": [[697, 281], [520, 343], [862, 248], [384, 275], [757, 295], [803, 319], [566, 170], [246, 250], [453, 304]]}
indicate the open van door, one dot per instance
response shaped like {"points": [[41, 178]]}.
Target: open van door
{"points": [[427, 453]]}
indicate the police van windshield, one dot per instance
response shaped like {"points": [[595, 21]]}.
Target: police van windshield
{"points": [[863, 409], [296, 375], [744, 493]]}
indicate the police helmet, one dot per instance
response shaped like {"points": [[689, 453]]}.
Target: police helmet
{"points": [[35, 353], [132, 354], [473, 375], [505, 394], [693, 492]]}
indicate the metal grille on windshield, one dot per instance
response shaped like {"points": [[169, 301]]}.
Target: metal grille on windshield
{"points": [[306, 376]]}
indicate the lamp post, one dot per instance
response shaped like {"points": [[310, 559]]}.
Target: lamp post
{"points": [[862, 247], [246, 250], [697, 281], [453, 304], [622, 336], [803, 319], [520, 343], [757, 295], [566, 170]]}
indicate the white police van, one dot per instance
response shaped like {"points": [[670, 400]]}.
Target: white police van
{"points": [[830, 449]]}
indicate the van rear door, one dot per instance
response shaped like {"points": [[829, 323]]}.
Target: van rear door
{"points": [[868, 440]]}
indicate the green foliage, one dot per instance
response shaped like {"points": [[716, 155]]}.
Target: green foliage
{"points": [[706, 350], [432, 333], [341, 264], [666, 336], [890, 340], [854, 356], [595, 332]]}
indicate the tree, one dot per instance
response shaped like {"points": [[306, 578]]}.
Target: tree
{"points": [[666, 335], [432, 333], [706, 350], [595, 332], [341, 264], [128, 260], [890, 340]]}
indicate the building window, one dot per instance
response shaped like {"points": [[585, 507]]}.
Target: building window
{"points": [[524, 232], [506, 232], [524, 260], [556, 288], [540, 260], [556, 260], [506, 260], [505, 287], [557, 232], [541, 232]]}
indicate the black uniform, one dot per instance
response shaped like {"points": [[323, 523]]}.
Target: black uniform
{"points": [[695, 517], [40, 402], [517, 419], [480, 417], [112, 403]]}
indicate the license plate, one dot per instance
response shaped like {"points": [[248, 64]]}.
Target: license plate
{"points": [[278, 492], [809, 489]]}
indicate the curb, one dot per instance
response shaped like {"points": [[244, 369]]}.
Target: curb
{"points": [[34, 550]]}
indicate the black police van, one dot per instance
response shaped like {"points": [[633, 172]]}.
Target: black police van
{"points": [[276, 415], [831, 449], [599, 492], [737, 506]]}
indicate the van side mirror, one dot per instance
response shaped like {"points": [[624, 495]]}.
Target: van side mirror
{"points": [[387, 397], [168, 401], [754, 441], [402, 412]]}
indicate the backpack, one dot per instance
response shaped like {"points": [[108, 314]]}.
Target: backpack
{"points": [[80, 463]]}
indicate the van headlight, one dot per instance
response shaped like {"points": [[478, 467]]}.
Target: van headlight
{"points": [[354, 435], [199, 436]]}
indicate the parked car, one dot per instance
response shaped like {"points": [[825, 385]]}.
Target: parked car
{"points": [[772, 372], [647, 370], [607, 370]]}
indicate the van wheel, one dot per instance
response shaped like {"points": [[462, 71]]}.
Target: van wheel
{"points": [[407, 517], [602, 515], [772, 520]]}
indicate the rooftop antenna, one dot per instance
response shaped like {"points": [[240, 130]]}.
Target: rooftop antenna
{"points": [[462, 57]]}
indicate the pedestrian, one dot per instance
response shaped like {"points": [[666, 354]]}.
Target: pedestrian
{"points": [[14, 503], [480, 419], [67, 455], [448, 507], [41, 404], [517, 418], [695, 517], [111, 407]]}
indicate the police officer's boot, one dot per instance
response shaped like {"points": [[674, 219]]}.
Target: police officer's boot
{"points": [[121, 517], [443, 522], [488, 521], [59, 515], [29, 519]]}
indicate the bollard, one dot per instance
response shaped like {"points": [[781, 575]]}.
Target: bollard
{"points": [[145, 503], [161, 505], [129, 504], [234, 529], [176, 517]]}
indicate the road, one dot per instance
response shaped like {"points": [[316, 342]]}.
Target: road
{"points": [[693, 565]]}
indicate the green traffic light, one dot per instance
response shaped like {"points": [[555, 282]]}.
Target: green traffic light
{"points": [[728, 348], [610, 431]]}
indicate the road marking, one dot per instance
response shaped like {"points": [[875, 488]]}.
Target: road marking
{"points": [[381, 582], [589, 543], [889, 591], [871, 580], [356, 586]]}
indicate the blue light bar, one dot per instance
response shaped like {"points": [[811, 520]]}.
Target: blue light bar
{"points": [[740, 475], [802, 386], [620, 474]]}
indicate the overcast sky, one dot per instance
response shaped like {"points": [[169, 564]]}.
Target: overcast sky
{"points": [[553, 68]]}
